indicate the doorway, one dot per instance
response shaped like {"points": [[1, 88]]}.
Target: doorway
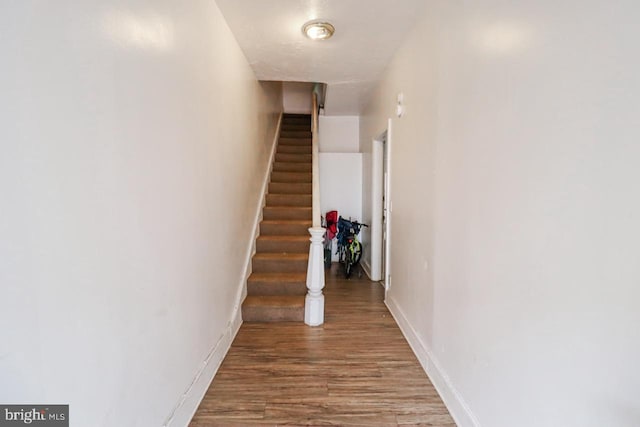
{"points": [[381, 207]]}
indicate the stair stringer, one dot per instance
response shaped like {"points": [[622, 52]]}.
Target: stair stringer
{"points": [[251, 250]]}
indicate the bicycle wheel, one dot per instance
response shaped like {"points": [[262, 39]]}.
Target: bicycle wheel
{"points": [[348, 267], [349, 260]]}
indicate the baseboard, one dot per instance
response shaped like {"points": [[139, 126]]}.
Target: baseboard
{"points": [[456, 405], [366, 267], [190, 400], [188, 404]]}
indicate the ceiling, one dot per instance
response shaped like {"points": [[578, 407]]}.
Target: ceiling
{"points": [[367, 34]]}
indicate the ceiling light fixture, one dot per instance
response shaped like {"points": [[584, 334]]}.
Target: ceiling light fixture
{"points": [[318, 30]]}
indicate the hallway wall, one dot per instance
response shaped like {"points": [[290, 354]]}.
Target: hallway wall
{"points": [[340, 168], [135, 139], [296, 97], [515, 208]]}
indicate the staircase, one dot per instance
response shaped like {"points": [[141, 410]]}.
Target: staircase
{"points": [[277, 286]]}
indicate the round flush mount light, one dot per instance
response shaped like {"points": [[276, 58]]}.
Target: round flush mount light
{"points": [[318, 30]]}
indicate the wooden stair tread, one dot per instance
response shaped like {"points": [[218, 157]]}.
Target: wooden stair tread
{"points": [[283, 243], [278, 277], [274, 301], [288, 221], [285, 237], [300, 142], [273, 308], [278, 256], [303, 200], [291, 177], [297, 208], [293, 158], [292, 174], [290, 188]]}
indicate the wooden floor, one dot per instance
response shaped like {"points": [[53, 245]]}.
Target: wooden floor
{"points": [[356, 370]]}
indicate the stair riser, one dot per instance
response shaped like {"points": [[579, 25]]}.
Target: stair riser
{"points": [[272, 314], [290, 188], [284, 229], [280, 246], [294, 149], [300, 116], [277, 213], [295, 142], [295, 128], [289, 200], [292, 167], [297, 120], [302, 120], [291, 177], [293, 158], [260, 265], [278, 288], [295, 134]]}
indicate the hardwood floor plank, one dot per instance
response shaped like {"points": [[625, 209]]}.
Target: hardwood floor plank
{"points": [[355, 370]]}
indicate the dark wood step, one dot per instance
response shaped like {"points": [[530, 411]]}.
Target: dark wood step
{"points": [[285, 228], [283, 244], [304, 200], [290, 187], [294, 149], [293, 158], [296, 115], [295, 134], [288, 227], [287, 212], [297, 127], [291, 177], [279, 262], [296, 118], [291, 167], [297, 142], [277, 284], [273, 308], [296, 124]]}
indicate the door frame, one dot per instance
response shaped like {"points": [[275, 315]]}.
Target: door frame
{"points": [[381, 190]]}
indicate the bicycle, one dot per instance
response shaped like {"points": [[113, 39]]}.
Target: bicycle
{"points": [[349, 247]]}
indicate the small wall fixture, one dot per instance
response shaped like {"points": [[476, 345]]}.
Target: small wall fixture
{"points": [[318, 30]]}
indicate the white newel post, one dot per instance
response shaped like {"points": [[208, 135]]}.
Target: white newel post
{"points": [[314, 302]]}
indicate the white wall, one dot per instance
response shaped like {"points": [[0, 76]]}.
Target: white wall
{"points": [[297, 97], [340, 166], [134, 142], [341, 185], [339, 134], [515, 268]]}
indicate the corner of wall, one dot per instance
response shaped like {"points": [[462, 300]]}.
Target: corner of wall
{"points": [[454, 402], [366, 267]]}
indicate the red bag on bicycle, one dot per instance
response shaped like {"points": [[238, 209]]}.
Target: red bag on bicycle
{"points": [[332, 224]]}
